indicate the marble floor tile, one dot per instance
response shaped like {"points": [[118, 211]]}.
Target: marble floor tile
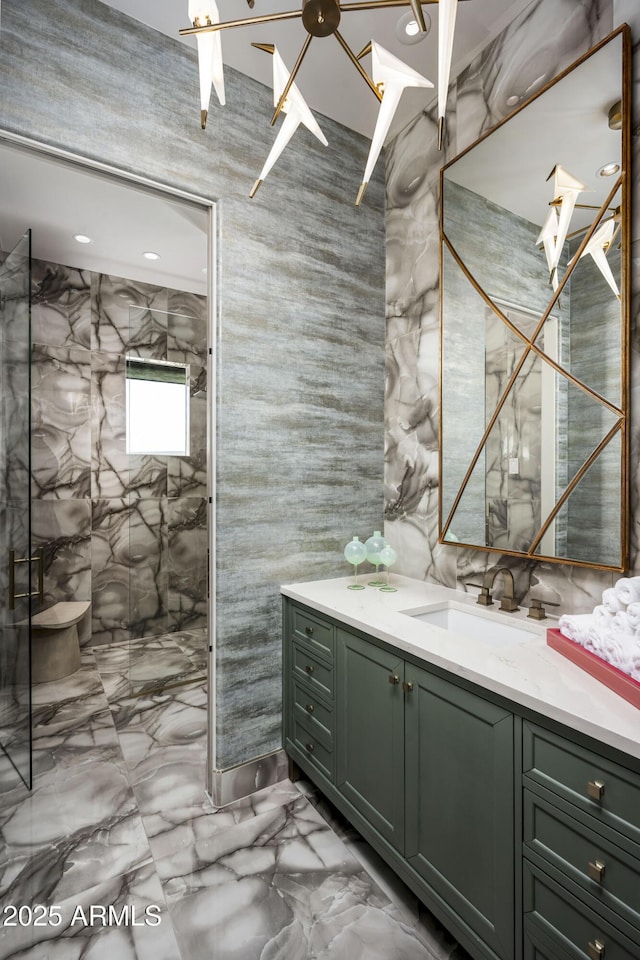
{"points": [[124, 918], [73, 826], [131, 668], [174, 717], [281, 885], [178, 835]]}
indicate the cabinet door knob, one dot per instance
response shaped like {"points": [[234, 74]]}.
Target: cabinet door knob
{"points": [[394, 678], [309, 747], [407, 686], [308, 631], [309, 668], [595, 870], [595, 950], [310, 708], [595, 789]]}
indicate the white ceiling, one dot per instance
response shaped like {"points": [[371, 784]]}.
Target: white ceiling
{"points": [[326, 74], [58, 199]]}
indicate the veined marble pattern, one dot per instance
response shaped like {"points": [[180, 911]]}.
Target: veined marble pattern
{"points": [[139, 666], [143, 559], [62, 530], [60, 305], [60, 430], [118, 817], [544, 39]]}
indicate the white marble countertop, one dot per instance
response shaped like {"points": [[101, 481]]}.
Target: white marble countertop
{"points": [[527, 672]]}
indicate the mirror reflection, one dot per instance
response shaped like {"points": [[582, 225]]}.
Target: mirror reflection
{"points": [[534, 325]]}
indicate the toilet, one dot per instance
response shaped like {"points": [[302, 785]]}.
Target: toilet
{"points": [[55, 639]]}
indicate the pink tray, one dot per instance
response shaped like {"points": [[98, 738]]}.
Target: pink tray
{"points": [[622, 684]]}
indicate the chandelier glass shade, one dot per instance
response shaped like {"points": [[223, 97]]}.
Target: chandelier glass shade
{"points": [[389, 77]]}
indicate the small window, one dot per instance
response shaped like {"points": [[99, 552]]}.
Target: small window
{"points": [[157, 407]]}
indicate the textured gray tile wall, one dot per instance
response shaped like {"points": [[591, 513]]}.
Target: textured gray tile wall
{"points": [[300, 344]]}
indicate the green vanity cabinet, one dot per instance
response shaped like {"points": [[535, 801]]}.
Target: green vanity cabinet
{"points": [[520, 834], [460, 802], [423, 766], [370, 718]]}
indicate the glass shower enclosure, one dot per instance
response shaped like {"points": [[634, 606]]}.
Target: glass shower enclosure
{"points": [[20, 571]]}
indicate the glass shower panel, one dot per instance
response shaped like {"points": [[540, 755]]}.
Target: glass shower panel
{"points": [[15, 513]]}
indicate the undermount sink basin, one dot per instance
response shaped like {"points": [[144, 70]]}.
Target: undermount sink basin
{"points": [[476, 624]]}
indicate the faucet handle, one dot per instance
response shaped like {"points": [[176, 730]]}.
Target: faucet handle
{"points": [[484, 598], [537, 611]]}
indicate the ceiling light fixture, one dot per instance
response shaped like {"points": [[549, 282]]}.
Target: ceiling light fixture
{"points": [[82, 238], [150, 255], [608, 169], [615, 116], [408, 29], [321, 18]]}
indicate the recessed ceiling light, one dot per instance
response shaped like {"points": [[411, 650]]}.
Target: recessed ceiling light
{"points": [[82, 238], [150, 255], [407, 29], [609, 169], [512, 100]]}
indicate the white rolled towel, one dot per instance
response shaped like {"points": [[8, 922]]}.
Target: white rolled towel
{"points": [[621, 626], [633, 616], [576, 626], [628, 590], [611, 601], [621, 650], [602, 618]]}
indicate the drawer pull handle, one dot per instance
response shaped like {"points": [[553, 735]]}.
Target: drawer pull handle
{"points": [[394, 678], [595, 950], [596, 870], [309, 668], [310, 708], [308, 631], [407, 686], [309, 747], [595, 789]]}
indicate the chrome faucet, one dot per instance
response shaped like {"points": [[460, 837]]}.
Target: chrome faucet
{"points": [[508, 601]]}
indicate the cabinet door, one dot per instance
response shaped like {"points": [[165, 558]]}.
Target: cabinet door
{"points": [[460, 800], [370, 733]]}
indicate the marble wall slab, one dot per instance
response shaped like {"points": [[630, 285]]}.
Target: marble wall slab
{"points": [[547, 37], [127, 531]]}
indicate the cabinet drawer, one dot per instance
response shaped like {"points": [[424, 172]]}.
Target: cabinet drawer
{"points": [[600, 787], [542, 945], [308, 667], [312, 629], [313, 714], [562, 917], [603, 870], [310, 745]]}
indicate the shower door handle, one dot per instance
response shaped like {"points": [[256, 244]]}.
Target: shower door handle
{"points": [[39, 593]]}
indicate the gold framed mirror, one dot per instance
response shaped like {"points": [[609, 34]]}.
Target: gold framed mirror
{"points": [[534, 325]]}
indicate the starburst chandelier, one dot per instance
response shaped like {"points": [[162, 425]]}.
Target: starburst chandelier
{"points": [[321, 18]]}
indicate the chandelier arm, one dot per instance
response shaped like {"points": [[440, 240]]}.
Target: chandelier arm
{"points": [[416, 9], [354, 60], [292, 76], [381, 4], [246, 22]]}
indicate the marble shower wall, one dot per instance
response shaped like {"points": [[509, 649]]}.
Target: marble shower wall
{"points": [[546, 38], [300, 312], [127, 532]]}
